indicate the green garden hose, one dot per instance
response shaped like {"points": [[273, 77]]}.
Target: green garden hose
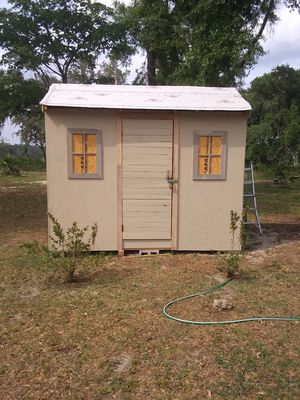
{"points": [[233, 321]]}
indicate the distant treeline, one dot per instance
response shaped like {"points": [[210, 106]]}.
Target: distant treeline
{"points": [[28, 158], [20, 150]]}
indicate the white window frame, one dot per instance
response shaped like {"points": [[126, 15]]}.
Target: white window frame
{"points": [[99, 153], [222, 175]]}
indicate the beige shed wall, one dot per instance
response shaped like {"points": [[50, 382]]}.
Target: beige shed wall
{"points": [[204, 205], [83, 200]]}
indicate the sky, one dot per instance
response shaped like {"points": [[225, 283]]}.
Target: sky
{"points": [[282, 46]]}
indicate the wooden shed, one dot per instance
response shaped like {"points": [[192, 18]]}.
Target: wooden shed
{"points": [[157, 167]]}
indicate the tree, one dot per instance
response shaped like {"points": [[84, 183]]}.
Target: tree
{"points": [[274, 127], [151, 25], [51, 36], [55, 39], [19, 100], [291, 132], [32, 130], [17, 94], [109, 73], [200, 42]]}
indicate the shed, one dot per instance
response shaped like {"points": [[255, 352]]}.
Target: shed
{"points": [[157, 167]]}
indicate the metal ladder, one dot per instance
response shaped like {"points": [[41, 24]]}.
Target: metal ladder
{"points": [[250, 195]]}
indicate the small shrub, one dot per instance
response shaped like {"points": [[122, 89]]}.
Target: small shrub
{"points": [[234, 224], [243, 238], [231, 261], [71, 245], [68, 250], [9, 165]]}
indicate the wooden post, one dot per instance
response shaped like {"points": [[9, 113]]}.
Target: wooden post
{"points": [[119, 187], [176, 128]]}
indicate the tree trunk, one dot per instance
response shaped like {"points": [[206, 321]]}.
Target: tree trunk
{"points": [[151, 68], [43, 150], [64, 78]]}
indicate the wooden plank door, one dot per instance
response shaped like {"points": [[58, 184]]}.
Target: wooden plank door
{"points": [[147, 196]]}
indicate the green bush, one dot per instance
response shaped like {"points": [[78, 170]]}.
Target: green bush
{"points": [[68, 250], [230, 262], [52, 267], [262, 171], [10, 165], [70, 246], [31, 164], [279, 172]]}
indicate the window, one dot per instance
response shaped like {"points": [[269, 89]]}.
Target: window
{"points": [[210, 155], [84, 153]]}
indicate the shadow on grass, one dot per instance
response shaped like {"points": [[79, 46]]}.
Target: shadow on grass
{"points": [[103, 276], [274, 234]]}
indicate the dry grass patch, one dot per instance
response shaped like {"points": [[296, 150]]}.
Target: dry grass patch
{"points": [[105, 337], [23, 214]]}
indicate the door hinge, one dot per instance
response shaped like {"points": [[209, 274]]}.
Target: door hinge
{"points": [[122, 228]]}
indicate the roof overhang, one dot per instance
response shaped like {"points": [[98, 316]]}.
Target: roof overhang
{"points": [[147, 98]]}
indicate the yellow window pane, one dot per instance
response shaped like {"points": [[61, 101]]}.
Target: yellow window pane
{"points": [[90, 141], [77, 143], [203, 145], [215, 165], [91, 165], [216, 145], [203, 166], [78, 164]]}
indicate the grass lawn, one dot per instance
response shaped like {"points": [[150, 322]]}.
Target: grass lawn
{"points": [[26, 177], [104, 337], [278, 199]]}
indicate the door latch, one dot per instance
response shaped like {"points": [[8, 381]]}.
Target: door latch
{"points": [[170, 179]]}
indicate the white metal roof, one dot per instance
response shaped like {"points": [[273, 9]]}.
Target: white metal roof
{"points": [[126, 97]]}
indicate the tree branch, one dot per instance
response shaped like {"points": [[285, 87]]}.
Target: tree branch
{"points": [[264, 23], [259, 34]]}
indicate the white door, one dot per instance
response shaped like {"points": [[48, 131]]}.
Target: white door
{"points": [[147, 195]]}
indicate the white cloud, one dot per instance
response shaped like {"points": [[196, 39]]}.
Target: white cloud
{"points": [[3, 3], [282, 45]]}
